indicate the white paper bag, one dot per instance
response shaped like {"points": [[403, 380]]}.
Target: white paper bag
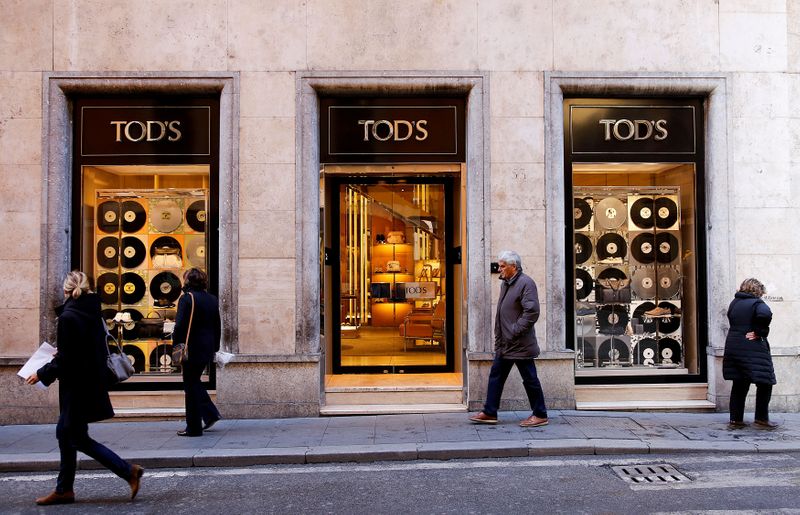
{"points": [[43, 355], [222, 358]]}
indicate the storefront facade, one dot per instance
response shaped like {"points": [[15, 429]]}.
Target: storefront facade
{"points": [[348, 197]]}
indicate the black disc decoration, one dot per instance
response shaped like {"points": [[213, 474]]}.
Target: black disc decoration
{"points": [[639, 317], [132, 288], [644, 283], [165, 289], [136, 356], [108, 252], [108, 316], [643, 213], [666, 212], [583, 213], [108, 288], [133, 216], [669, 352], [108, 216], [130, 330], [196, 215], [133, 252], [583, 283], [165, 244], [614, 350], [669, 282], [646, 352], [666, 247], [611, 246], [161, 358], [583, 248], [612, 318], [612, 273], [196, 250], [668, 324], [643, 248]]}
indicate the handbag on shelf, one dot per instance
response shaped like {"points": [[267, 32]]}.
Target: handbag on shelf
{"points": [[613, 291], [180, 351], [118, 364], [151, 327]]}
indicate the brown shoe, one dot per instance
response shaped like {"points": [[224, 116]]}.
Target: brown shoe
{"points": [[56, 498], [136, 475], [483, 418], [765, 424], [534, 421], [733, 424]]}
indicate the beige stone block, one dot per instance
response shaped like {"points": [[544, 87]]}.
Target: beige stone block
{"points": [[19, 233], [266, 94], [762, 231], [792, 16], [635, 35], [20, 188], [757, 140], [517, 140], [760, 95], [20, 95], [19, 288], [520, 230], [267, 140], [150, 35], [783, 330], [793, 53], [268, 37], [517, 94], [763, 184], [19, 332], [793, 136], [793, 80], [779, 274], [267, 186], [392, 34], [752, 42], [515, 35], [518, 185], [26, 38], [752, 6], [268, 328], [267, 234], [21, 141], [261, 279]]}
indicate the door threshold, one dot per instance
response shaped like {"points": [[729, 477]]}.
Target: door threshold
{"points": [[390, 409]]}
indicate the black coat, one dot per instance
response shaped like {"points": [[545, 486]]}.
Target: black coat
{"points": [[517, 311], [748, 360], [205, 332], [80, 363]]}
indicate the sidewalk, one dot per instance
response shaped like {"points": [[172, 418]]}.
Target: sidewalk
{"points": [[437, 436]]}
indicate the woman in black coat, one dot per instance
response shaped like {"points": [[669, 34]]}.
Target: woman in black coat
{"points": [[747, 356], [83, 378], [198, 316]]}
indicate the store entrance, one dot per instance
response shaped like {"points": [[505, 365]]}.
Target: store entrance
{"points": [[391, 274]]}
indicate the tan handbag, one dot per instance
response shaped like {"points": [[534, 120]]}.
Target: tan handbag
{"points": [[180, 351]]}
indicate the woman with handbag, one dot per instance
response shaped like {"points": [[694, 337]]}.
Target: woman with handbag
{"points": [[747, 356], [195, 339], [81, 368]]}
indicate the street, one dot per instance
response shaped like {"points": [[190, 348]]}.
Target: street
{"points": [[752, 483]]}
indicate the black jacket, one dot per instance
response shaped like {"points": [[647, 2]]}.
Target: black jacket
{"points": [[517, 311], [205, 332], [80, 363], [748, 360]]}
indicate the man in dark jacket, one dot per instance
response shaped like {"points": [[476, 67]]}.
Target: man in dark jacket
{"points": [[515, 342]]}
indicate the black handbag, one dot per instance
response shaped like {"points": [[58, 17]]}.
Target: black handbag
{"points": [[613, 291], [180, 350], [151, 328]]}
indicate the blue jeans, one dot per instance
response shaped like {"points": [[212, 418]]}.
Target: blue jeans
{"points": [[530, 380], [76, 438], [199, 406]]}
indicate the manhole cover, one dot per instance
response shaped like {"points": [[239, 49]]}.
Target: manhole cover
{"points": [[660, 474]]}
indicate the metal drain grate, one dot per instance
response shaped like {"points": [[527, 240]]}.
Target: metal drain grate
{"points": [[660, 474]]}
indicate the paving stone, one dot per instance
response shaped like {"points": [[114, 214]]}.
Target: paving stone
{"points": [[250, 457], [361, 453]]}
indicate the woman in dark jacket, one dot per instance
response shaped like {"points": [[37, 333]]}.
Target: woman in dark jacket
{"points": [[747, 355], [83, 378], [204, 332]]}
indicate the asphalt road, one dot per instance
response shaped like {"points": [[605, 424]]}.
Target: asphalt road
{"points": [[744, 483]]}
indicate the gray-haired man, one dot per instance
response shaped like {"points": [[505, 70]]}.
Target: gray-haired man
{"points": [[515, 342]]}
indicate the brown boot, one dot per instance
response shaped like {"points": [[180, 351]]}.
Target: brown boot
{"points": [[136, 475], [56, 498]]}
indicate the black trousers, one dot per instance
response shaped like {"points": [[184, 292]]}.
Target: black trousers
{"points": [[739, 396], [199, 407], [74, 438]]}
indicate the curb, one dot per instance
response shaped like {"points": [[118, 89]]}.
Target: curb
{"points": [[187, 458]]}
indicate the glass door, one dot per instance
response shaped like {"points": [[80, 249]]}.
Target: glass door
{"points": [[390, 276]]}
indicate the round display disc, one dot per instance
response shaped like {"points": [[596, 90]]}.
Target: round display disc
{"points": [[108, 252], [666, 247], [583, 213], [610, 213], [643, 213], [643, 248], [132, 288], [108, 216], [644, 283], [666, 212], [133, 216], [583, 283], [108, 288], [133, 252], [196, 215], [611, 246], [583, 248], [165, 215], [165, 289]]}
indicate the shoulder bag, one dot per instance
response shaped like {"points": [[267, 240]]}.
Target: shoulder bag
{"points": [[118, 364], [180, 351]]}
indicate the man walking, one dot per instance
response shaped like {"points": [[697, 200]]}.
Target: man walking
{"points": [[515, 342]]}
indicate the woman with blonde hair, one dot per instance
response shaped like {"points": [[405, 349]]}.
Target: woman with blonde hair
{"points": [[83, 378], [747, 355]]}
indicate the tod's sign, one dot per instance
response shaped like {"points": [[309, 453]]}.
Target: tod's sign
{"points": [[145, 130], [391, 130], [632, 129]]}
